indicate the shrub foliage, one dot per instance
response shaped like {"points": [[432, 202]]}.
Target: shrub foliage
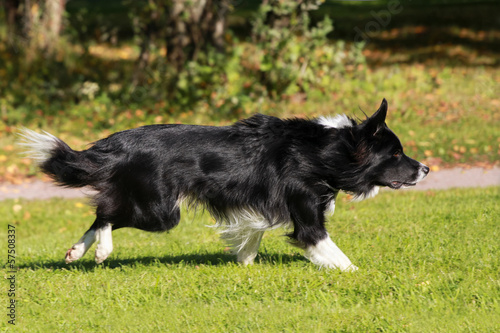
{"points": [[182, 55]]}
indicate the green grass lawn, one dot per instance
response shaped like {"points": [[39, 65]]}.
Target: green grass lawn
{"points": [[428, 263]]}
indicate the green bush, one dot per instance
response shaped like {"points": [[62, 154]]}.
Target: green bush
{"points": [[293, 56]]}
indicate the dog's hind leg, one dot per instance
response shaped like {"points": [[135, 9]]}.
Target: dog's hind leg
{"points": [[105, 246], [97, 232], [81, 247]]}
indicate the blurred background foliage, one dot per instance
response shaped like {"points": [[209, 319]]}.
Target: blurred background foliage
{"points": [[172, 56], [176, 53], [100, 66]]}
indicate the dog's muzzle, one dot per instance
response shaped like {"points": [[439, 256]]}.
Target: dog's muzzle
{"points": [[423, 170]]}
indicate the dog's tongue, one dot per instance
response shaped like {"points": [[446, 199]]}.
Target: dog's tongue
{"points": [[396, 185]]}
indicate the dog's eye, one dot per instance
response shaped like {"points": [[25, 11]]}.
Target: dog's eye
{"points": [[397, 153]]}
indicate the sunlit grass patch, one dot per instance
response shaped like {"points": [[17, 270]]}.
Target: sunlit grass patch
{"points": [[428, 262]]}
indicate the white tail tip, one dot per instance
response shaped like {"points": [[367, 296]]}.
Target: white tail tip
{"points": [[38, 146]]}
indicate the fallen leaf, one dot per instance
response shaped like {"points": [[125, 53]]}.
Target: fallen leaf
{"points": [[17, 208], [26, 161]]}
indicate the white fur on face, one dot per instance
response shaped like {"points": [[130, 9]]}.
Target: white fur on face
{"points": [[342, 121], [421, 173], [338, 121], [326, 254]]}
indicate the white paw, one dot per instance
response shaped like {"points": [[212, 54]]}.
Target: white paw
{"points": [[101, 253], [326, 254], [75, 253], [105, 246]]}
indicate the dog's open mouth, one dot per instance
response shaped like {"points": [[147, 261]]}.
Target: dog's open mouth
{"points": [[397, 185]]}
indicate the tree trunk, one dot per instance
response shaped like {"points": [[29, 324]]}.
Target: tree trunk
{"points": [[149, 32], [192, 26], [52, 24], [13, 17], [41, 25]]}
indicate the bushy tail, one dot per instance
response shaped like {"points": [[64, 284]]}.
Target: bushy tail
{"points": [[55, 158]]}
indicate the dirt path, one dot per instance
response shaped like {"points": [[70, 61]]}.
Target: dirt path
{"points": [[444, 179], [458, 177]]}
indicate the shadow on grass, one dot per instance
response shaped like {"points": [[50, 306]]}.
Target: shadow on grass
{"points": [[209, 259]]}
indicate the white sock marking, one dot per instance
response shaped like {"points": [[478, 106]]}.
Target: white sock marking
{"points": [[327, 254], [105, 246], [81, 247]]}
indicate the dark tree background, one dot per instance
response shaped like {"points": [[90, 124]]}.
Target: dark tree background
{"points": [[214, 51]]}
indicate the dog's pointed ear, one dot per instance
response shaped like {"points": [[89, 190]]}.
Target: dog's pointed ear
{"points": [[377, 121], [379, 116]]}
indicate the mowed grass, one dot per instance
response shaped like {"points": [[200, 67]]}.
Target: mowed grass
{"points": [[429, 262]]}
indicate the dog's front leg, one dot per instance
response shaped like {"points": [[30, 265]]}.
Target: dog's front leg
{"points": [[326, 253], [310, 233], [247, 251], [243, 231]]}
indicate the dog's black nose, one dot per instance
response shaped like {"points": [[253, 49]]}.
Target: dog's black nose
{"points": [[425, 169]]}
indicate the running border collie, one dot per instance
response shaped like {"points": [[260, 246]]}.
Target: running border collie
{"points": [[257, 174]]}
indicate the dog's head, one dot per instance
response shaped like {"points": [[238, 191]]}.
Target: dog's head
{"points": [[380, 150]]}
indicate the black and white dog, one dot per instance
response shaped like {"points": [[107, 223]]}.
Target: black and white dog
{"points": [[258, 174]]}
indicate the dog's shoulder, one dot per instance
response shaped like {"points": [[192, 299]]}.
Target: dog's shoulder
{"points": [[258, 121], [265, 123]]}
